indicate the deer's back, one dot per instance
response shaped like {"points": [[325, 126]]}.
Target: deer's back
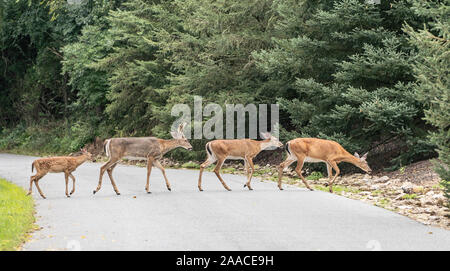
{"points": [[234, 147], [140, 147], [316, 147], [55, 164]]}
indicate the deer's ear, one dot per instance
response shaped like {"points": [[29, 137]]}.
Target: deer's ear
{"points": [[356, 155], [175, 135], [181, 127], [364, 157], [265, 135]]}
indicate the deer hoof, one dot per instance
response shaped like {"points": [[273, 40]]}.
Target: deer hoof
{"points": [[168, 188], [94, 192], [148, 192], [245, 185], [118, 194]]}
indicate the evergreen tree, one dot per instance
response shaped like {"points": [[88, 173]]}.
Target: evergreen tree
{"points": [[431, 70], [346, 74]]}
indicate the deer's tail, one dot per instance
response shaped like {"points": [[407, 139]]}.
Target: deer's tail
{"points": [[286, 147], [208, 149], [32, 167], [106, 147]]}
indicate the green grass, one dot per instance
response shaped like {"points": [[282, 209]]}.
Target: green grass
{"points": [[228, 170], [314, 176], [409, 196], [376, 192], [16, 215], [262, 172], [191, 164], [383, 202], [337, 189]]}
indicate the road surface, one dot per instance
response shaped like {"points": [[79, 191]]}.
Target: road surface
{"points": [[215, 219]]}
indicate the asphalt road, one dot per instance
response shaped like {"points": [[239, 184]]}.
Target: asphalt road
{"points": [[215, 219]]}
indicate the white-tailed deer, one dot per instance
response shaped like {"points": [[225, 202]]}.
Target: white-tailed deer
{"points": [[66, 164], [319, 150], [245, 149], [141, 148]]}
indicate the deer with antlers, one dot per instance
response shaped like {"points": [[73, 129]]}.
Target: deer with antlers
{"points": [[240, 149], [141, 148], [317, 150], [66, 164]]}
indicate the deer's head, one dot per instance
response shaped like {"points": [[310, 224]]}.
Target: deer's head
{"points": [[271, 141], [180, 139], [362, 163], [86, 153]]}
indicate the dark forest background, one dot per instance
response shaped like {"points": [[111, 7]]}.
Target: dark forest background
{"points": [[374, 77]]}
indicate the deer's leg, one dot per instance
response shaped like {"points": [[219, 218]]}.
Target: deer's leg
{"points": [[66, 177], [298, 169], [149, 171], [110, 170], [289, 160], [31, 185], [329, 171], [36, 182], [336, 168], [208, 162], [217, 169], [246, 168], [158, 165], [249, 160], [102, 171], [73, 183]]}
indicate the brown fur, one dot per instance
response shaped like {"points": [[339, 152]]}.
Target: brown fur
{"points": [[66, 164], [246, 149], [150, 148], [328, 151]]}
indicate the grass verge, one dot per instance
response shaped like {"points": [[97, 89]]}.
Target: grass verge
{"points": [[16, 216]]}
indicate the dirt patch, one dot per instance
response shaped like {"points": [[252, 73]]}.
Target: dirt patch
{"points": [[420, 173]]}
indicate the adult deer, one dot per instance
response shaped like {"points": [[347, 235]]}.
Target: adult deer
{"points": [[66, 164], [245, 149], [319, 150], [141, 148]]}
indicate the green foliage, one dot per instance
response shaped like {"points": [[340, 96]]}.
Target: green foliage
{"points": [[191, 164], [47, 138], [433, 83], [314, 176], [341, 70], [409, 196], [346, 73]]}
